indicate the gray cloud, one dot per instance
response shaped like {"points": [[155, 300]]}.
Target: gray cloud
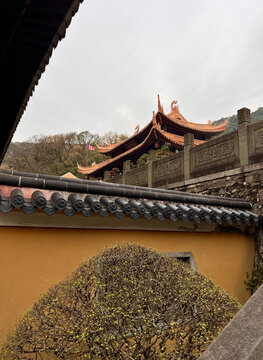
{"points": [[118, 55]]}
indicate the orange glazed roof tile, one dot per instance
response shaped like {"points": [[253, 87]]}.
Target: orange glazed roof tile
{"points": [[177, 139], [103, 149], [179, 119]]}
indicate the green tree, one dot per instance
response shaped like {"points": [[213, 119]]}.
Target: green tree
{"points": [[57, 154], [129, 302]]}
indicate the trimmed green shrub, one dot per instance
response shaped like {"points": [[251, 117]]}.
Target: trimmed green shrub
{"points": [[129, 302]]}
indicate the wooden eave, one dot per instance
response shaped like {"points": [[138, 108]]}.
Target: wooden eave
{"points": [[29, 31]]}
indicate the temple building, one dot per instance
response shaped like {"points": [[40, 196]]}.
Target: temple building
{"points": [[163, 128]]}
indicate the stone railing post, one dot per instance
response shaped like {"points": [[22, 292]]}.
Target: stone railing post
{"points": [[126, 168], [151, 159], [188, 143], [243, 117], [106, 175]]}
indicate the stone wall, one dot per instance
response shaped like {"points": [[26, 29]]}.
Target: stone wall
{"points": [[244, 182]]}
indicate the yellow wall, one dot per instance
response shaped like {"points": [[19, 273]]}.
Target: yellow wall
{"points": [[33, 259]]}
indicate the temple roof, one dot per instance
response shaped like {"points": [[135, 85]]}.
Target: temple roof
{"points": [[169, 128], [155, 131], [174, 120]]}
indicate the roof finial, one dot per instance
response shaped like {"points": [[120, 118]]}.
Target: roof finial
{"points": [[174, 107], [160, 108], [154, 119]]}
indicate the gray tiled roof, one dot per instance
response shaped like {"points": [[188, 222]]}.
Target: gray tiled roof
{"points": [[88, 205], [28, 192]]}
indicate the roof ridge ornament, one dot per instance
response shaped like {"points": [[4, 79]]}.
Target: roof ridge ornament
{"points": [[160, 108], [137, 129], [174, 107]]}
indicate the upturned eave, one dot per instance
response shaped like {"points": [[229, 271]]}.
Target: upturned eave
{"points": [[156, 132]]}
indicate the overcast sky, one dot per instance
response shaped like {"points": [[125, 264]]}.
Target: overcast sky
{"points": [[119, 54]]}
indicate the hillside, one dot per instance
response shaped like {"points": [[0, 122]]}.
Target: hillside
{"points": [[232, 123], [57, 154]]}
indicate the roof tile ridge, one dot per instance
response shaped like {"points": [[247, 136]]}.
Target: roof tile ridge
{"points": [[179, 138], [104, 147], [94, 167], [164, 134], [196, 126], [213, 127]]}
